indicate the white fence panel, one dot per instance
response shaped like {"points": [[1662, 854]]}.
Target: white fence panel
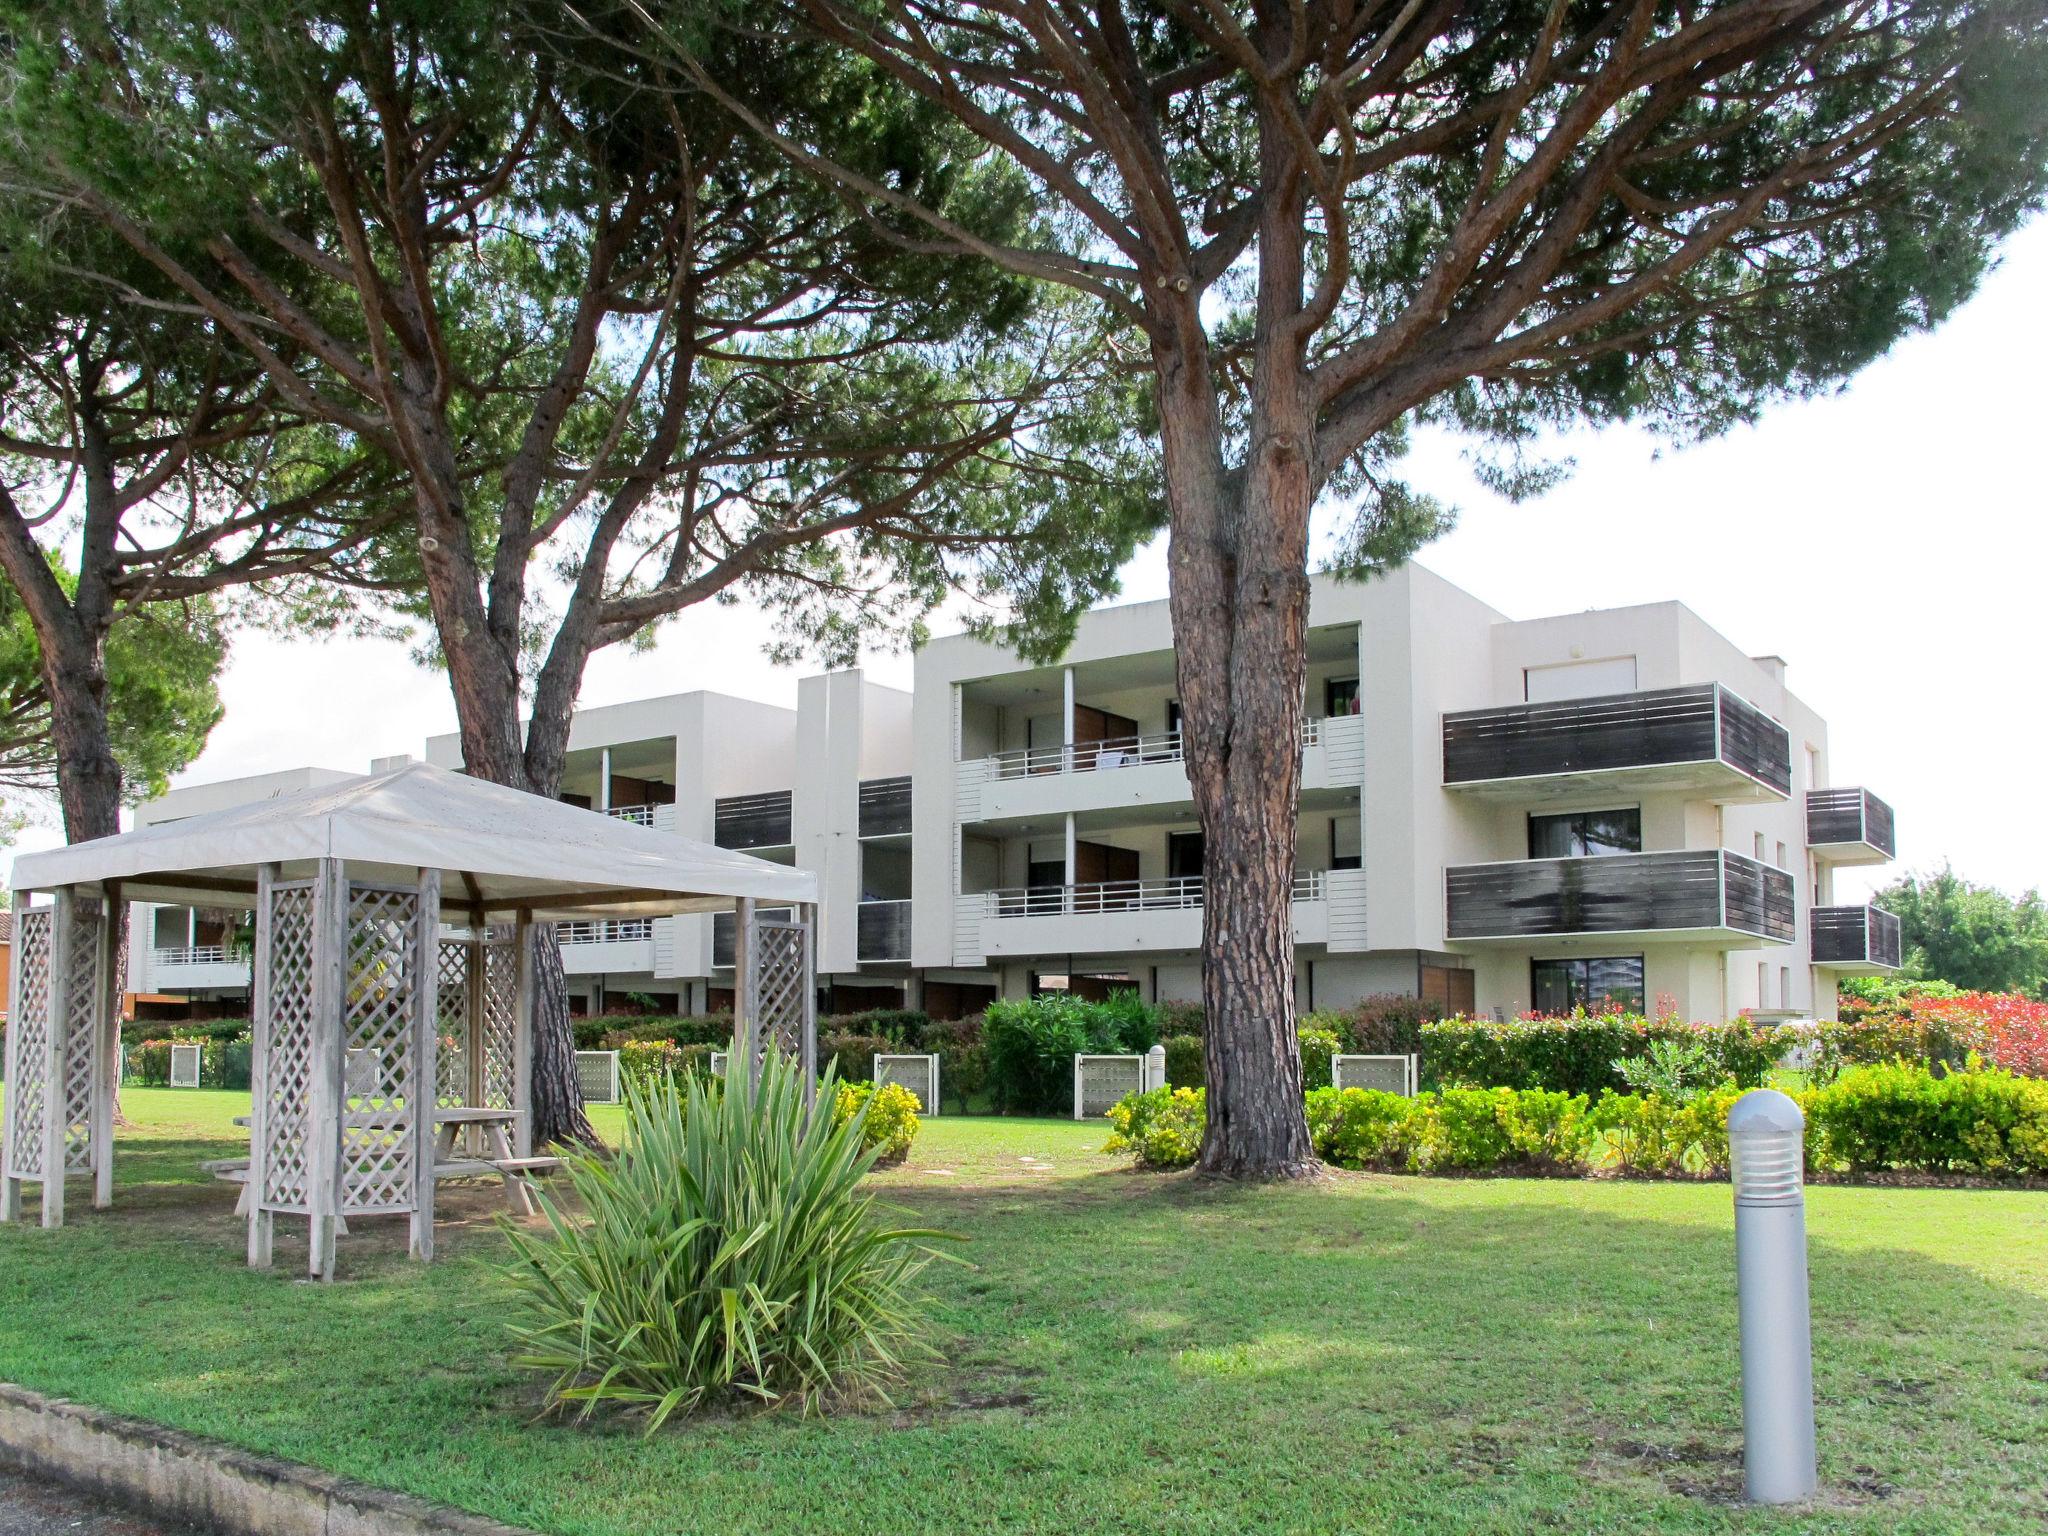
{"points": [[920, 1074], [1099, 1081], [597, 1074], [1385, 1074], [185, 1066]]}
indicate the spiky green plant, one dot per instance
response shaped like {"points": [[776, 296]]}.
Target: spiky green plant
{"points": [[727, 1253]]}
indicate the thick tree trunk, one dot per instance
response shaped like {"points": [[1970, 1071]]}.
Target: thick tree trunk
{"points": [[1238, 568]]}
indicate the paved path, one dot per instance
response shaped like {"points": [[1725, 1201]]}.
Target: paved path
{"points": [[29, 1507]]}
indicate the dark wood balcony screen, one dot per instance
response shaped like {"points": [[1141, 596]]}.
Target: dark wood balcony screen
{"points": [[1637, 893], [1854, 936], [1752, 741], [752, 821], [885, 807], [1849, 816], [1623, 730]]}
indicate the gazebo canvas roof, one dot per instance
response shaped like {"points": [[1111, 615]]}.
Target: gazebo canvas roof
{"points": [[499, 850]]}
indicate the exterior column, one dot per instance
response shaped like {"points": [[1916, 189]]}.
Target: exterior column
{"points": [[808, 1048], [1073, 864], [261, 1222], [426, 1062], [604, 778], [1067, 719], [106, 1045], [522, 1035], [330, 965]]}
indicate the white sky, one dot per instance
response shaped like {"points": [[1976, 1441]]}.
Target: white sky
{"points": [[1889, 542]]}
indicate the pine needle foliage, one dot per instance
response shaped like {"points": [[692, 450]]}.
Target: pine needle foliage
{"points": [[726, 1255]]}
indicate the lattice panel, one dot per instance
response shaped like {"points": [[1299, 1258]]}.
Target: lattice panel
{"points": [[919, 1074], [451, 1019], [287, 1087], [1104, 1080], [29, 1041], [1380, 1074], [81, 1008], [501, 1024], [381, 983], [778, 961]]}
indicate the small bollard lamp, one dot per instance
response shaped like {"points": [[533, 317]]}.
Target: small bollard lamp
{"points": [[1155, 1067], [1766, 1163]]}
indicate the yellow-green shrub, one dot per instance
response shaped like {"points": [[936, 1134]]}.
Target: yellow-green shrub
{"points": [[1161, 1128], [891, 1124]]}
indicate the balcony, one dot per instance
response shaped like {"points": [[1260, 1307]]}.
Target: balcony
{"points": [[885, 807], [723, 931], [662, 818], [196, 968], [1854, 941], [752, 821], [1137, 915], [1701, 896], [1130, 773], [882, 932], [1702, 739], [1849, 826], [597, 947]]}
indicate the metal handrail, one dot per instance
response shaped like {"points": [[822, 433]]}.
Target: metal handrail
{"points": [[199, 954], [622, 930], [1109, 753], [1165, 893], [640, 815]]}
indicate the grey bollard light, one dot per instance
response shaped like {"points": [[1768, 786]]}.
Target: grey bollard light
{"points": [[1766, 1163], [1155, 1067]]}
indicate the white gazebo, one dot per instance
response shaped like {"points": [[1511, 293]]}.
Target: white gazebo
{"points": [[391, 910]]}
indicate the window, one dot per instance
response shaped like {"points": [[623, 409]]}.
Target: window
{"points": [[1347, 844], [1781, 857], [1044, 872], [1613, 982], [1586, 834], [1340, 696], [1184, 855], [1784, 986], [1757, 846], [1172, 715]]}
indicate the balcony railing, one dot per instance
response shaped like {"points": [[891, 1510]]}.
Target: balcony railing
{"points": [[1097, 756], [639, 815], [1854, 938], [1701, 736], [200, 954], [723, 931], [882, 931], [752, 821], [622, 930], [1849, 826], [885, 806], [1707, 892], [1163, 893]]}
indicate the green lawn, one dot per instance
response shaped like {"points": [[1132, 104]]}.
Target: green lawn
{"points": [[1124, 1353]]}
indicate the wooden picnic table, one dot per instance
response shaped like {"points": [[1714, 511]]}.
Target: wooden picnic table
{"points": [[498, 1159]]}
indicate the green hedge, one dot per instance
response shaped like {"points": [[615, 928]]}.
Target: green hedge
{"points": [[1892, 1118], [222, 1063], [1576, 1055]]}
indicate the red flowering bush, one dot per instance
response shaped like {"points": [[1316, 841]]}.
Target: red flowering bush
{"points": [[1943, 1026]]}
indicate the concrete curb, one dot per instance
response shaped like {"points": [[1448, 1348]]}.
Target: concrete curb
{"points": [[205, 1483]]}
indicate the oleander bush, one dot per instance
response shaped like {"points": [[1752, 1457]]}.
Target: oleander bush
{"points": [[1161, 1128], [1187, 1064], [1031, 1044], [135, 1032], [850, 1055], [1318, 1044], [727, 1254], [1939, 1026], [888, 1117]]}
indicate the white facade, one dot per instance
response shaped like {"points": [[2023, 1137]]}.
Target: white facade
{"points": [[1499, 814]]}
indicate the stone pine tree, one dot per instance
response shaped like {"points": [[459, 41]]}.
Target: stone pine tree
{"points": [[1323, 221], [625, 356]]}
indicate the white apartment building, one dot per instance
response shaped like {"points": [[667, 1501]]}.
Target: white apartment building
{"points": [[1497, 814]]}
